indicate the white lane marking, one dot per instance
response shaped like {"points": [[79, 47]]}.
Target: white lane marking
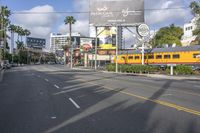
{"points": [[75, 104], [38, 76], [46, 80], [56, 86], [167, 95], [198, 86], [53, 117]]}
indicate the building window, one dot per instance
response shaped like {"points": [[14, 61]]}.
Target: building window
{"points": [[130, 57], [150, 57], [167, 56], [158, 56], [137, 57], [176, 56]]}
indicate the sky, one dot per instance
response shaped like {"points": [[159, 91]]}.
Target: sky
{"points": [[41, 25]]}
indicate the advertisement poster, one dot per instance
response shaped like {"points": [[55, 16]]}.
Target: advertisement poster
{"points": [[107, 39], [86, 44]]}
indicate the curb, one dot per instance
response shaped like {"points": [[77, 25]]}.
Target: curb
{"points": [[158, 76], [1, 74], [147, 75]]}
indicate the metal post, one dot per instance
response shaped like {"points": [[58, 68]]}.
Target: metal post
{"points": [[171, 70], [142, 52], [116, 62], [95, 62]]}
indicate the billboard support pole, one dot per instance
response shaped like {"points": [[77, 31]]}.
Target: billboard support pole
{"points": [[96, 41], [116, 62], [95, 62]]}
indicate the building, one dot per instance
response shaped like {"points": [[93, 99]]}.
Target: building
{"points": [[188, 29], [58, 40], [35, 43]]}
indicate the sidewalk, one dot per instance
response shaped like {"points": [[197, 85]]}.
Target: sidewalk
{"points": [[160, 76]]}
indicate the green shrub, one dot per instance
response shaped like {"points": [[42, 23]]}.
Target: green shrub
{"points": [[110, 67], [183, 70], [133, 68]]}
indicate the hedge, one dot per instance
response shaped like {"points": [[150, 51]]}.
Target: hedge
{"points": [[181, 70], [133, 68], [178, 70]]}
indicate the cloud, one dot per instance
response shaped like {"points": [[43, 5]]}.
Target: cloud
{"points": [[40, 25], [80, 26], [165, 17], [82, 19]]}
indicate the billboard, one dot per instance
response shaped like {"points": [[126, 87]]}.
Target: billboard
{"points": [[35, 42], [121, 12]]}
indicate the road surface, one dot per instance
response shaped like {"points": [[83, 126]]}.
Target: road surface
{"points": [[55, 99]]}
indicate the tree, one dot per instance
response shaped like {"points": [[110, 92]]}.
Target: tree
{"points": [[4, 22], [69, 20], [65, 49], [167, 35], [196, 12]]}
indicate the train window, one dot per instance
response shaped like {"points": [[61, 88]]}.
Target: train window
{"points": [[150, 57], [130, 57], [176, 56], [123, 58], [158, 56], [196, 55], [137, 57], [167, 56]]}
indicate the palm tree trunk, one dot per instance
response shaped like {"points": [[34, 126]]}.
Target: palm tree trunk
{"points": [[70, 43]]}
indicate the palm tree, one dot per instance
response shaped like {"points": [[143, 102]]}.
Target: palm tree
{"points": [[12, 28], [18, 31], [26, 33], [69, 20], [4, 23]]}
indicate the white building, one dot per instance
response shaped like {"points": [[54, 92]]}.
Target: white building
{"points": [[58, 40], [188, 29]]}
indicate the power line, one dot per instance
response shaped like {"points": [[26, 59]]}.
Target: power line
{"points": [[86, 12]]}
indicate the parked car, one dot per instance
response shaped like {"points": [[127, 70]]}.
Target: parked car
{"points": [[5, 64], [51, 63], [195, 68]]}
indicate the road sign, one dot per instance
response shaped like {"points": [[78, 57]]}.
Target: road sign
{"points": [[143, 30]]}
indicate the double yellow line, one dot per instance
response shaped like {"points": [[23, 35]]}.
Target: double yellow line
{"points": [[167, 104]]}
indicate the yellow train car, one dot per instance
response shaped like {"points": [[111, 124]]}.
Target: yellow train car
{"points": [[162, 56]]}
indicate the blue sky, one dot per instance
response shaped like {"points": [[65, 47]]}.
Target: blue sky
{"points": [[42, 25]]}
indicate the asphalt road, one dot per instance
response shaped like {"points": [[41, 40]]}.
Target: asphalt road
{"points": [[55, 99]]}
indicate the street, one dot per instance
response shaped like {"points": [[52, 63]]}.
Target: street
{"points": [[56, 99]]}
